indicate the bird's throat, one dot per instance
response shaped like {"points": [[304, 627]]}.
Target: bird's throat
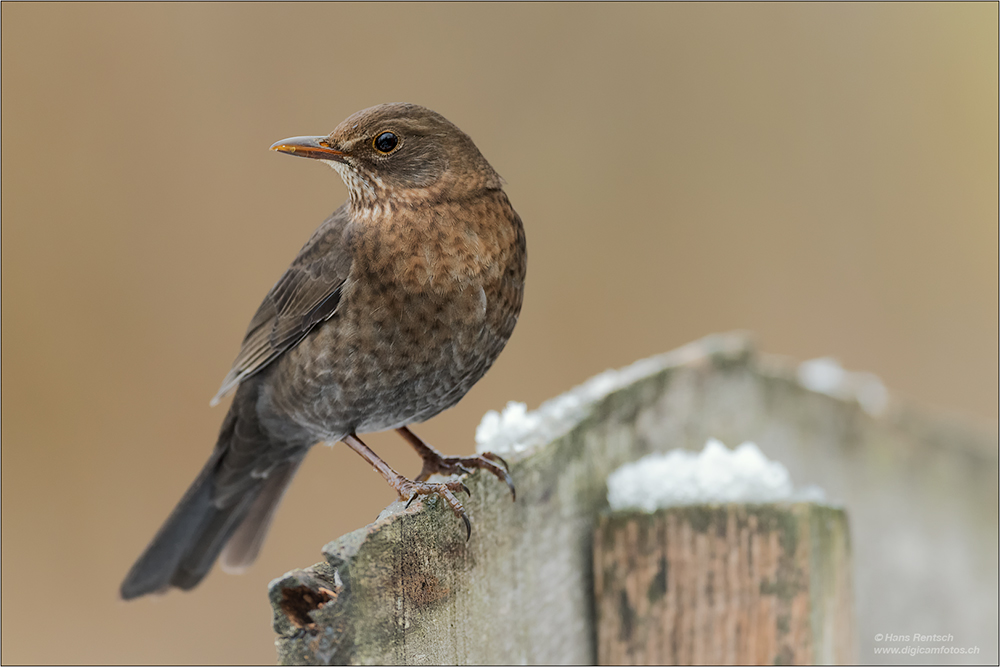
{"points": [[364, 191]]}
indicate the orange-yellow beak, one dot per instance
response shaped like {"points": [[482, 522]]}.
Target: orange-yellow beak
{"points": [[318, 148]]}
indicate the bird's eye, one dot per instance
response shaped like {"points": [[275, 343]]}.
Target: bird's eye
{"points": [[385, 142]]}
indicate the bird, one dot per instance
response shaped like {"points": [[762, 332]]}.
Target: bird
{"points": [[394, 308]]}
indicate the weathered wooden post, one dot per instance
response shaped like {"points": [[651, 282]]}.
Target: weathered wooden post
{"points": [[725, 585], [409, 589]]}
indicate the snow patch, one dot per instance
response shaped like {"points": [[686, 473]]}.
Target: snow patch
{"points": [[715, 475], [826, 376]]}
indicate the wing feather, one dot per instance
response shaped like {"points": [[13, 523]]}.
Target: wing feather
{"points": [[307, 294]]}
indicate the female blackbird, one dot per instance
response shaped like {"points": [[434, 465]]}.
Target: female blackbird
{"points": [[397, 305]]}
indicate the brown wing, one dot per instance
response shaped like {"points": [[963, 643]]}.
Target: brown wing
{"points": [[306, 295]]}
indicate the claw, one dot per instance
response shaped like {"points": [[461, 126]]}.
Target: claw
{"points": [[463, 470], [466, 489], [412, 498], [468, 527], [510, 485], [496, 457]]}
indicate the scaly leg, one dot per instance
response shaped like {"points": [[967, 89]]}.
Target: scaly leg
{"points": [[408, 489], [434, 461]]}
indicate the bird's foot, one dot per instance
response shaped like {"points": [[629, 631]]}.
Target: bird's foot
{"points": [[464, 465], [409, 489], [435, 462]]}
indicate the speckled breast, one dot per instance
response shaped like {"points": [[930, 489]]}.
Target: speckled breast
{"points": [[424, 314]]}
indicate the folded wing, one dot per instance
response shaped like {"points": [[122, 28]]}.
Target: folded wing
{"points": [[306, 295]]}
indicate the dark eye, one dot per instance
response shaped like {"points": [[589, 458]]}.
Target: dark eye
{"points": [[385, 142]]}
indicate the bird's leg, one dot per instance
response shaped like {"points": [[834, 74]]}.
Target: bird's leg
{"points": [[435, 462], [408, 489]]}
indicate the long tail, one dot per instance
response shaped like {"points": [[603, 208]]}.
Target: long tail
{"points": [[231, 501]]}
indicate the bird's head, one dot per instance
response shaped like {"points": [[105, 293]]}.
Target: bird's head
{"points": [[400, 152]]}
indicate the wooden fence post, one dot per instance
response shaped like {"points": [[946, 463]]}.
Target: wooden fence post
{"points": [[724, 584], [409, 589]]}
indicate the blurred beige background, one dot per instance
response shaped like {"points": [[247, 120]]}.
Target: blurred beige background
{"points": [[824, 175]]}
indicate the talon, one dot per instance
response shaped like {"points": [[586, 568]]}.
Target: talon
{"points": [[468, 527], [510, 485], [412, 498], [463, 470], [496, 457], [466, 489]]}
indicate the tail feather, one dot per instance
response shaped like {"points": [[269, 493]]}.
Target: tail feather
{"points": [[231, 499], [159, 563], [205, 549], [244, 545]]}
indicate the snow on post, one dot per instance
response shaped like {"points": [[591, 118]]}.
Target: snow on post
{"points": [[714, 558]]}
